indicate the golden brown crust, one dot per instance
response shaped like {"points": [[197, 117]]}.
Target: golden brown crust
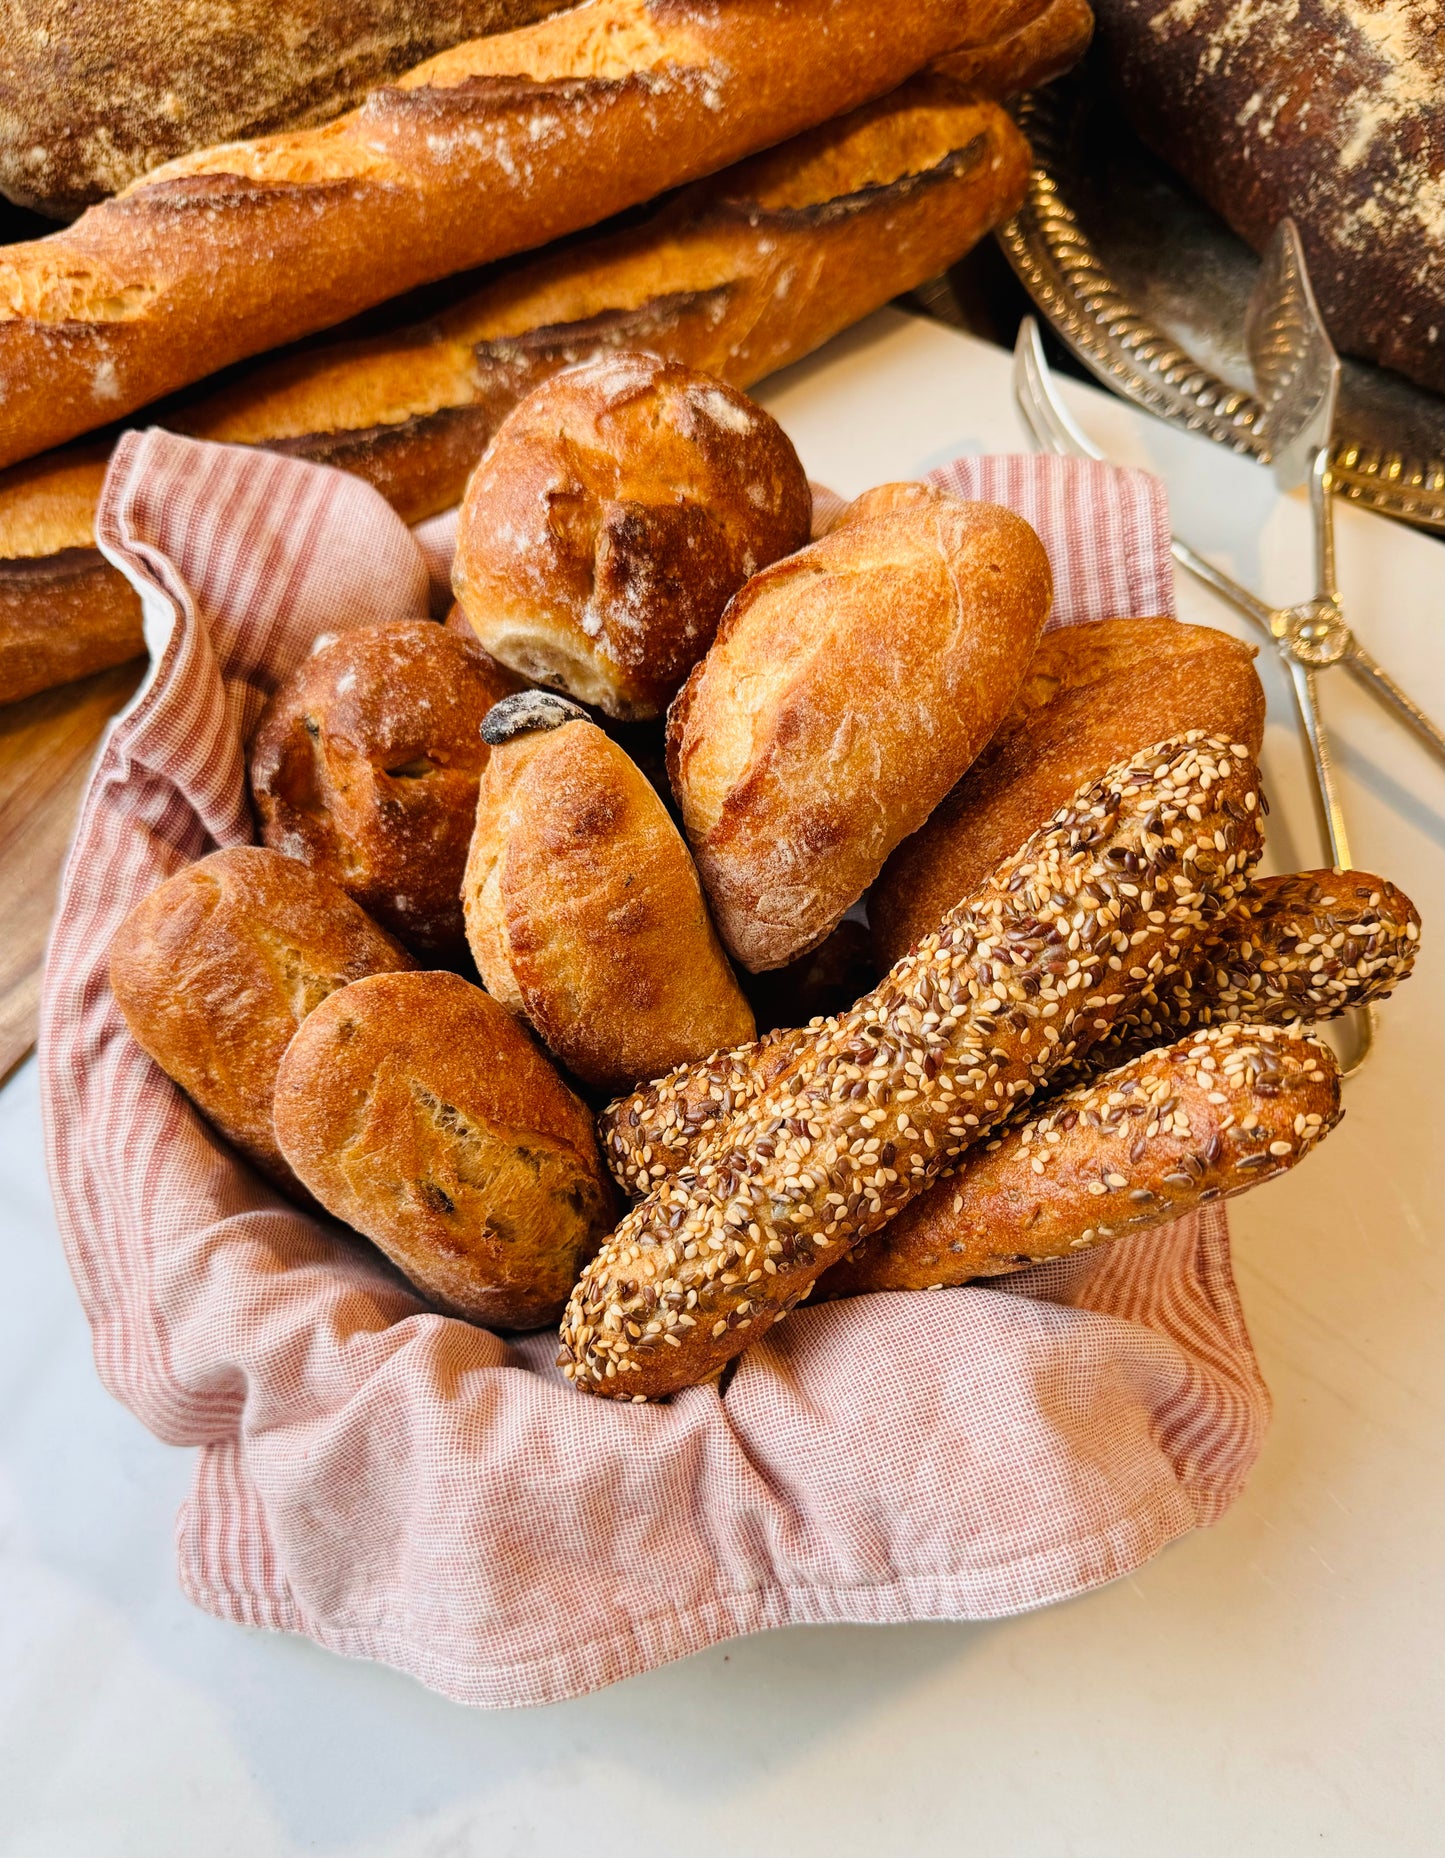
{"points": [[1093, 694], [618, 509], [215, 969], [93, 96], [848, 688], [1038, 51], [1201, 1120], [417, 1110], [881, 1101], [585, 914], [714, 278], [493, 147], [365, 765]]}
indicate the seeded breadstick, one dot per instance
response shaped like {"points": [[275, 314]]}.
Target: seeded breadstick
{"points": [[1205, 1118], [1117, 887], [1308, 946]]}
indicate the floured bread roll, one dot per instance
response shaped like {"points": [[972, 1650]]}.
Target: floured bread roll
{"points": [[584, 911], [215, 969], [848, 689], [615, 513]]}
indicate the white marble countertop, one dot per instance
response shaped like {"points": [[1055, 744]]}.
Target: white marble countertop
{"points": [[1271, 1686]]}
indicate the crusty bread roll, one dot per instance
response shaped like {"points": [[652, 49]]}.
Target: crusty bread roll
{"points": [[215, 969], [618, 509], [491, 148], [583, 909], [848, 689], [1093, 694], [365, 764], [418, 1111], [738, 274], [92, 96]]}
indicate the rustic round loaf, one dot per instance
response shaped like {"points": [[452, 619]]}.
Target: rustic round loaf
{"points": [[583, 907], [1094, 694], [848, 689], [613, 516], [214, 971], [365, 764], [420, 1113]]}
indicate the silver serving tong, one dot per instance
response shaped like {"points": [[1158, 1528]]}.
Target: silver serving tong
{"points": [[1297, 374]]}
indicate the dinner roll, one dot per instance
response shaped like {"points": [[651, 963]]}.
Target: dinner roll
{"points": [[848, 689], [214, 971], [617, 509], [583, 908], [419, 1112], [1094, 695], [365, 764]]}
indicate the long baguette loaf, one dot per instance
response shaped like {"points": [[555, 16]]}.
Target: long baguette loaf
{"points": [[882, 1100], [490, 148], [1201, 1120], [739, 275], [1306, 947]]}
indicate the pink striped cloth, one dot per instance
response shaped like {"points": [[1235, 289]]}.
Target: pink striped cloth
{"points": [[404, 1487]]}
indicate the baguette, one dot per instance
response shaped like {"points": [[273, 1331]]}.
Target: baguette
{"points": [[1201, 1120], [737, 275], [92, 96], [1305, 947], [492, 147], [882, 1100]]}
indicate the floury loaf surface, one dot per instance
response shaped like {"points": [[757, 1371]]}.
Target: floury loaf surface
{"points": [[491, 148]]}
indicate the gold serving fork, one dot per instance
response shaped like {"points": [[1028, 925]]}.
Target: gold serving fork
{"points": [[1297, 374]]}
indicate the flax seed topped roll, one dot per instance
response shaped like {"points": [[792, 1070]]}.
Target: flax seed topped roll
{"points": [[583, 908], [614, 515], [215, 970], [848, 689], [417, 1110], [365, 764], [1093, 694]]}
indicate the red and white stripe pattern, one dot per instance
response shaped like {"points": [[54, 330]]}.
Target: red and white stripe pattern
{"points": [[402, 1486]]}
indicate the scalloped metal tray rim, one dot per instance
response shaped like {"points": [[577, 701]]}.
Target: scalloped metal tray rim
{"points": [[1057, 264]]}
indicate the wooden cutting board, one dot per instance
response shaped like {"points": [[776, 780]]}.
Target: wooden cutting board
{"points": [[47, 744]]}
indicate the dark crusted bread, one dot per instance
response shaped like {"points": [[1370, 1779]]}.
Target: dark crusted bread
{"points": [[91, 96], [1332, 111], [417, 1110], [365, 764]]}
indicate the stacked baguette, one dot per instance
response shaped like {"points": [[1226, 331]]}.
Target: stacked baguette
{"points": [[493, 147], [738, 275]]}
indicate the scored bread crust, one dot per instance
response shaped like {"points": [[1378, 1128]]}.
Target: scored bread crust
{"points": [[1201, 1120], [1092, 694], [216, 968], [585, 914], [848, 688], [613, 516], [365, 764], [737, 275], [421, 1114], [490, 148]]}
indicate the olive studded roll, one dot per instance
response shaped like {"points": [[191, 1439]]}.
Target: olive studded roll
{"points": [[1118, 888]]}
